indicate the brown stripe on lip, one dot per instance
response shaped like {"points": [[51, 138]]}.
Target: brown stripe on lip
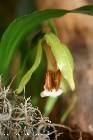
{"points": [[52, 80]]}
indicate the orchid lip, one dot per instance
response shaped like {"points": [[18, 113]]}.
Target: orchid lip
{"points": [[51, 93]]}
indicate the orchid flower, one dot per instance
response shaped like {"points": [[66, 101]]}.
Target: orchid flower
{"points": [[59, 75], [58, 80]]}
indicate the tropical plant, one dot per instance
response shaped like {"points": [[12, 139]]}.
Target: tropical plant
{"points": [[11, 41]]}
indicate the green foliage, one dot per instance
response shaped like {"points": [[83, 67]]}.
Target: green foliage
{"points": [[69, 109], [63, 58], [20, 27], [17, 32], [28, 75]]}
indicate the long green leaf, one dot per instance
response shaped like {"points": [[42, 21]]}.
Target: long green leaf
{"points": [[19, 28], [29, 73]]}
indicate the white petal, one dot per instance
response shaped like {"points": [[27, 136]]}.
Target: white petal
{"points": [[52, 93]]}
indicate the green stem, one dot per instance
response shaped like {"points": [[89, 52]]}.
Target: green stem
{"points": [[68, 111]]}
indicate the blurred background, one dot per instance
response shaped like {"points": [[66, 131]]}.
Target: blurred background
{"points": [[75, 30]]}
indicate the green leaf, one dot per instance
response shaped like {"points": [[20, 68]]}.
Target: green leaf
{"points": [[37, 79], [29, 73], [19, 28], [63, 58], [69, 109], [88, 9], [17, 31]]}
